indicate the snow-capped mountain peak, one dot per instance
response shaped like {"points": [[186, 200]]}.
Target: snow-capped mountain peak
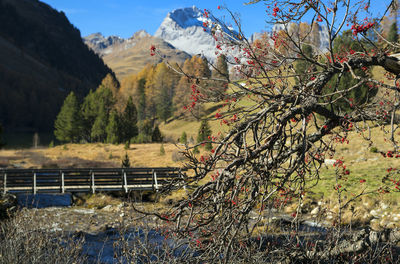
{"points": [[184, 29], [187, 17]]}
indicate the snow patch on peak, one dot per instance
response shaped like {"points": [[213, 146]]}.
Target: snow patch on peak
{"points": [[183, 29], [187, 17]]}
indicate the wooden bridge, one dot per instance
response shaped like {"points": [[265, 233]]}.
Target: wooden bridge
{"points": [[86, 180]]}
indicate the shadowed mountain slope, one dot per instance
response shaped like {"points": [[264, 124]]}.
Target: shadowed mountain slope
{"points": [[42, 59]]}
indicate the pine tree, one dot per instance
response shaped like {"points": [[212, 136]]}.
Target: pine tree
{"points": [[359, 95], [68, 123], [104, 97], [129, 128], [98, 132], [113, 128], [204, 133], [183, 138], [156, 136], [88, 113], [97, 103]]}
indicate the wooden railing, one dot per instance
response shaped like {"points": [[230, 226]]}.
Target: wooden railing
{"points": [[86, 180]]}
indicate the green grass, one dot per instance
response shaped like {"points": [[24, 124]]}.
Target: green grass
{"points": [[373, 169]]}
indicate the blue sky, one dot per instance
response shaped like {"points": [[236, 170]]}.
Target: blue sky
{"points": [[125, 17]]}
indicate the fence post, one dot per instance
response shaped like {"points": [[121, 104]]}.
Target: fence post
{"points": [[5, 182], [155, 179], [93, 185], [62, 182], [34, 183], [125, 182]]}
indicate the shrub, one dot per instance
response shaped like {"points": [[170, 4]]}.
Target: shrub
{"points": [[127, 144], [23, 242], [183, 138], [162, 150], [373, 150], [126, 163]]}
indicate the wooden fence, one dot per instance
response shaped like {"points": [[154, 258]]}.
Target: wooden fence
{"points": [[86, 180]]}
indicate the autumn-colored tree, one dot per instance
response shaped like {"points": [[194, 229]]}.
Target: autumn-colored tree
{"points": [[111, 83], [181, 98], [220, 70], [141, 94], [165, 81]]}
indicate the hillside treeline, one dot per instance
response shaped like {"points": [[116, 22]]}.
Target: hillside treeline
{"points": [[131, 112], [99, 118], [163, 92]]}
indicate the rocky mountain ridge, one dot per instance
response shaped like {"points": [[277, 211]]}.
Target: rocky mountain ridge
{"points": [[129, 56]]}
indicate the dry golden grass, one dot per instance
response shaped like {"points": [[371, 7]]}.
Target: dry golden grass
{"points": [[140, 155]]}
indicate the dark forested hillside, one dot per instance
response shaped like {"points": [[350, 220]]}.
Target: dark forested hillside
{"points": [[42, 59]]}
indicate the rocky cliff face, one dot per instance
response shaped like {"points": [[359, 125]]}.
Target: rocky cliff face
{"points": [[98, 43], [322, 41], [107, 45]]}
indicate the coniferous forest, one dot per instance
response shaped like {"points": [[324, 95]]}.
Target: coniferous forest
{"points": [[131, 112]]}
